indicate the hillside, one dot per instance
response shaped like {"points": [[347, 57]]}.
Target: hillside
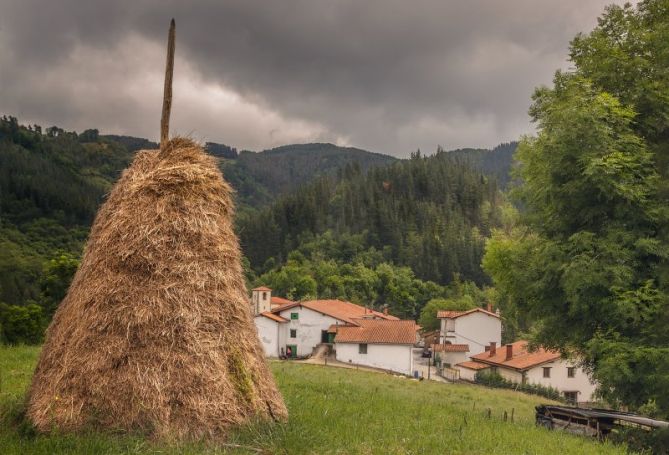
{"points": [[259, 177], [52, 182], [431, 214], [332, 410], [496, 162]]}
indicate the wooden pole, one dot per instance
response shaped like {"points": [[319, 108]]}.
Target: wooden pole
{"points": [[167, 92]]}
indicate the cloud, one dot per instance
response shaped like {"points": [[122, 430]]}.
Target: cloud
{"points": [[391, 76]]}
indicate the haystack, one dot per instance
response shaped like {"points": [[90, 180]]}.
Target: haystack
{"points": [[155, 334]]}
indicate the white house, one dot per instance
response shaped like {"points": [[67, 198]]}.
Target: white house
{"points": [[516, 363], [475, 328], [299, 327], [378, 343]]}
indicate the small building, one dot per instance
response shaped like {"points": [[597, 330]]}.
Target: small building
{"points": [[450, 354], [377, 343], [298, 327], [476, 328], [516, 363]]}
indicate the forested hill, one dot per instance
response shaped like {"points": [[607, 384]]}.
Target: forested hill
{"points": [[429, 213], [496, 162], [52, 182], [259, 177]]}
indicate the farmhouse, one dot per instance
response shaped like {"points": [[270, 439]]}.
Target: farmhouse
{"points": [[517, 363], [469, 333], [298, 327], [378, 343]]}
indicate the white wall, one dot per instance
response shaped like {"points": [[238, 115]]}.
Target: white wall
{"points": [[510, 374], [579, 383], [475, 329], [452, 357], [470, 375], [393, 357], [268, 332], [308, 325]]}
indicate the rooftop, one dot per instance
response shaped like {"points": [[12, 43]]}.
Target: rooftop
{"points": [[450, 348], [338, 309], [448, 314], [261, 288], [378, 331], [275, 301], [521, 359], [472, 365], [273, 317]]}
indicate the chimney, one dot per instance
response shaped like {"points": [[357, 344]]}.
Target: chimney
{"points": [[493, 349], [509, 351], [489, 308], [385, 310]]}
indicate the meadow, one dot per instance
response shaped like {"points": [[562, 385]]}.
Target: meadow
{"points": [[332, 411]]}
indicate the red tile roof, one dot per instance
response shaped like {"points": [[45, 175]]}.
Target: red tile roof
{"points": [[338, 309], [450, 347], [522, 359], [448, 314], [378, 331], [276, 301], [273, 317], [261, 288], [472, 365]]}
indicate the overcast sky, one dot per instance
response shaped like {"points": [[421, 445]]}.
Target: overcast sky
{"points": [[388, 76]]}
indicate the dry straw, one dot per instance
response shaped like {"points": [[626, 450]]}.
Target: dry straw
{"points": [[155, 334]]}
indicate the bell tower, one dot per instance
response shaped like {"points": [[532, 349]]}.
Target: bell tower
{"points": [[261, 299]]}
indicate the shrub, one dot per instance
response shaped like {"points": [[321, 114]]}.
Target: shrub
{"points": [[496, 380], [21, 324]]}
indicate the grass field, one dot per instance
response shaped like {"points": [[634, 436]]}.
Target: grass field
{"points": [[332, 410]]}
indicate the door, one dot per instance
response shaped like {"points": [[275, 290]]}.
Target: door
{"points": [[324, 336], [292, 348]]}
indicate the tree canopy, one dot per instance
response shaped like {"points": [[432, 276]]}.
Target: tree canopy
{"points": [[591, 271]]}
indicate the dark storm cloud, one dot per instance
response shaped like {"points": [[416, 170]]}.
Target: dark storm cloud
{"points": [[386, 75]]}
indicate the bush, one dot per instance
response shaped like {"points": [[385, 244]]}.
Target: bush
{"points": [[21, 324], [496, 380], [642, 441]]}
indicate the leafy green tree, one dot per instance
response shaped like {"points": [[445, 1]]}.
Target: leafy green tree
{"points": [[55, 281], [21, 324], [428, 315], [592, 271]]}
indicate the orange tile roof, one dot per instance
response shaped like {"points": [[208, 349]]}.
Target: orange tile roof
{"points": [[338, 309], [276, 301], [273, 317], [522, 359], [378, 331], [261, 288], [472, 365], [450, 347], [448, 314]]}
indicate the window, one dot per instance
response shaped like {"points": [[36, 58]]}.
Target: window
{"points": [[294, 316], [571, 372], [362, 349], [571, 397], [547, 372], [293, 333], [264, 296]]}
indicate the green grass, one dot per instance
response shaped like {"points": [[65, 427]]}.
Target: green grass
{"points": [[332, 410]]}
